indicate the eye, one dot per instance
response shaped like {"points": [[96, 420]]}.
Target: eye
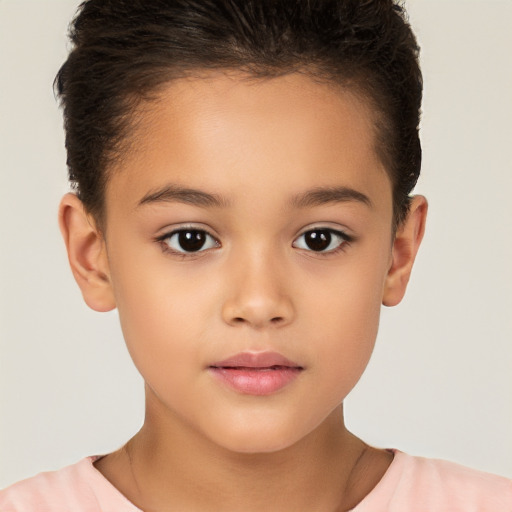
{"points": [[189, 241], [321, 240]]}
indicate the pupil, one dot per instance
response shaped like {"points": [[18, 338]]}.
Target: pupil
{"points": [[318, 240], [191, 241]]}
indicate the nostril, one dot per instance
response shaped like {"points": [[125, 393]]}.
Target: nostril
{"points": [[274, 320]]}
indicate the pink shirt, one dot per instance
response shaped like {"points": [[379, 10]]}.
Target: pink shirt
{"points": [[411, 484]]}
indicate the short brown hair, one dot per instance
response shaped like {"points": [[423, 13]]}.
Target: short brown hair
{"points": [[123, 50]]}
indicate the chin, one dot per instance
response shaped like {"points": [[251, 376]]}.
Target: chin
{"points": [[259, 438]]}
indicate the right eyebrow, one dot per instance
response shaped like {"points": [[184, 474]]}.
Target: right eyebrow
{"points": [[176, 193]]}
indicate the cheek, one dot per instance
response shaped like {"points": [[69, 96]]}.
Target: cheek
{"points": [[345, 348], [161, 315], [344, 317]]}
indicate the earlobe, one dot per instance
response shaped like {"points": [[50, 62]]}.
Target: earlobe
{"points": [[405, 247], [87, 255]]}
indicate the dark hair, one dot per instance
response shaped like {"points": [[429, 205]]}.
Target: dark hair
{"points": [[123, 50]]}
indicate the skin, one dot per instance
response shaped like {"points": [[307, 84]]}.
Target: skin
{"points": [[256, 144]]}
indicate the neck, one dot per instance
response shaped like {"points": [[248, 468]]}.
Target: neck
{"points": [[168, 466]]}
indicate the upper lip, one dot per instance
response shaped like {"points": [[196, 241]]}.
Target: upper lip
{"points": [[255, 360]]}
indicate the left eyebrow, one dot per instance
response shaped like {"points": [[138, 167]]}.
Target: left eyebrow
{"points": [[324, 195]]}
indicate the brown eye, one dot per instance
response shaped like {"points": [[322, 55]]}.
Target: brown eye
{"points": [[321, 240], [190, 240], [317, 240]]}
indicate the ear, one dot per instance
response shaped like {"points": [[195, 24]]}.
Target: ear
{"points": [[86, 253], [405, 247]]}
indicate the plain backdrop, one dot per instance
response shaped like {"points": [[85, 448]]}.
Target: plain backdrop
{"points": [[439, 383]]}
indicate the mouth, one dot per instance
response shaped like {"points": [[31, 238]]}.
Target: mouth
{"points": [[256, 374], [256, 360]]}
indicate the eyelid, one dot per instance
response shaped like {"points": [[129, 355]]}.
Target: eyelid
{"points": [[170, 232], [167, 231], [346, 239], [339, 230]]}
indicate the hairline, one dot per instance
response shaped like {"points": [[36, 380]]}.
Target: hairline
{"points": [[138, 103]]}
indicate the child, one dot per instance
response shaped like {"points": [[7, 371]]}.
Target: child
{"points": [[242, 174]]}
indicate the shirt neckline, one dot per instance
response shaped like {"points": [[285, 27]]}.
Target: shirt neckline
{"points": [[105, 491]]}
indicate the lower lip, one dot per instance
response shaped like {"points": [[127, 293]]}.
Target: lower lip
{"points": [[259, 382]]}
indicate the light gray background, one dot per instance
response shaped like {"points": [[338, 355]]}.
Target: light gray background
{"points": [[439, 383]]}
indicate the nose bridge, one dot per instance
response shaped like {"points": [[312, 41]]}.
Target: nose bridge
{"points": [[258, 294]]}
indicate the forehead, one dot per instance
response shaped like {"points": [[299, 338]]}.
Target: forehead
{"points": [[227, 132]]}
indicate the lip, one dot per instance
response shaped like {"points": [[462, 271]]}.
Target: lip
{"points": [[256, 360], [259, 374]]}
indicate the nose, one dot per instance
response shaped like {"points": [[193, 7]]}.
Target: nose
{"points": [[258, 295]]}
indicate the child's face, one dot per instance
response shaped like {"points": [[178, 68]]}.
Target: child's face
{"points": [[255, 282]]}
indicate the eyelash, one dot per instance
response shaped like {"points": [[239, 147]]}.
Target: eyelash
{"points": [[163, 240], [345, 240]]}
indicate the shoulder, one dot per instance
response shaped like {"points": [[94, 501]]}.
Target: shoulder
{"points": [[66, 489], [455, 486], [418, 483], [78, 488]]}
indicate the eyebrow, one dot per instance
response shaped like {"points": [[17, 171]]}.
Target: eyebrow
{"points": [[325, 195], [315, 197], [176, 193]]}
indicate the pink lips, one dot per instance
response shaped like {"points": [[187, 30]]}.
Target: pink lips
{"points": [[260, 373]]}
